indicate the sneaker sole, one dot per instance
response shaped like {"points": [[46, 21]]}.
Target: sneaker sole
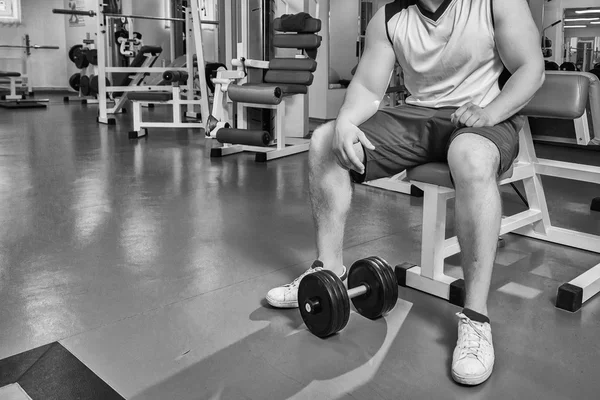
{"points": [[472, 380], [294, 304], [282, 304]]}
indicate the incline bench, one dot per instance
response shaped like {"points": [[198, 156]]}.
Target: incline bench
{"points": [[564, 96]]}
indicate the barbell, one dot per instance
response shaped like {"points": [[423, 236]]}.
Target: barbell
{"points": [[324, 302], [91, 13], [28, 46]]}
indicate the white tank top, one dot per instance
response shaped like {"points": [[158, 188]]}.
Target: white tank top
{"points": [[448, 57]]}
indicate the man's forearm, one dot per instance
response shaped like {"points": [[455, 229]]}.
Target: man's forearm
{"points": [[517, 92], [359, 105]]}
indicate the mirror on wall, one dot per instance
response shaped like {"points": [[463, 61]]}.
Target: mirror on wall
{"points": [[343, 36], [581, 30]]}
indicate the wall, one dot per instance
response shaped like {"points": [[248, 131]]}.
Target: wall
{"points": [[47, 68], [153, 32], [343, 35]]}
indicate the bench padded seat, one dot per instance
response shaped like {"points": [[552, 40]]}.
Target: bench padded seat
{"points": [[150, 96], [8, 74], [438, 173]]}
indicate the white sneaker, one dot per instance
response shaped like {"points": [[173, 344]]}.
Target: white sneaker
{"points": [[473, 358], [286, 296]]}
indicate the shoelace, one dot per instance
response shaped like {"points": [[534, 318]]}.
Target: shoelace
{"points": [[471, 343], [308, 271]]}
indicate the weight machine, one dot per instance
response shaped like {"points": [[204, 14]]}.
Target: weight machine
{"points": [[11, 80], [103, 16]]}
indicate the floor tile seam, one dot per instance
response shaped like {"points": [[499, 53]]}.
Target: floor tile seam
{"points": [[73, 352], [50, 345]]}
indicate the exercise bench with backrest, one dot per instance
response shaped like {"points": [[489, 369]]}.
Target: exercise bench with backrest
{"points": [[562, 96]]}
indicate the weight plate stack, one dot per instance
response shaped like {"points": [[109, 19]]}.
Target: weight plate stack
{"points": [[391, 285], [383, 291], [333, 311]]}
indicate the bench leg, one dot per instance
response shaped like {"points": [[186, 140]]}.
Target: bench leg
{"points": [[430, 277]]}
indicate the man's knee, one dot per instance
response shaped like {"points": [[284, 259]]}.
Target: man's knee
{"points": [[473, 159], [322, 139]]}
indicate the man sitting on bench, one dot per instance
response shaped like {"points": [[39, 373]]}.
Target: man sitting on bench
{"points": [[453, 54]]}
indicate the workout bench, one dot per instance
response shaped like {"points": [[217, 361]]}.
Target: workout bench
{"points": [[15, 100], [564, 96]]}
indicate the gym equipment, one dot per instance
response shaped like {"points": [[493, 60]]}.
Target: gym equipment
{"points": [[269, 92], [568, 66], [324, 302], [74, 81], [91, 13], [175, 76], [578, 94], [244, 136], [94, 84], [595, 206], [134, 74], [21, 78], [84, 84], [551, 66], [78, 54]]}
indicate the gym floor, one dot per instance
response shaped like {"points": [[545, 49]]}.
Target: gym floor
{"points": [[138, 270]]}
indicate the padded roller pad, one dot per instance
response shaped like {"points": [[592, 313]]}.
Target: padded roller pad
{"points": [[293, 64], [150, 96], [8, 74], [307, 41], [311, 25], [437, 173], [291, 77], [244, 137], [256, 93], [293, 89]]}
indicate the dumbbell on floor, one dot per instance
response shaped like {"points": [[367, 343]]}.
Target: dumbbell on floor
{"points": [[324, 302]]}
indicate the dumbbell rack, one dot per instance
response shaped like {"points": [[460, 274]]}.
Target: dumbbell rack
{"points": [[85, 71]]}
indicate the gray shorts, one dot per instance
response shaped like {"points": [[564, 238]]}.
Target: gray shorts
{"points": [[407, 136]]}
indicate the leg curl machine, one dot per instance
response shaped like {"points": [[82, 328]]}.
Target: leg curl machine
{"points": [[282, 87]]}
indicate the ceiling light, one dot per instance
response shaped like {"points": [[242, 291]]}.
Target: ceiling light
{"points": [[581, 19], [576, 26], [587, 11]]}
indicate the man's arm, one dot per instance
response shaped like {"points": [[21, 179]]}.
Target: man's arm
{"points": [[372, 76], [518, 42]]}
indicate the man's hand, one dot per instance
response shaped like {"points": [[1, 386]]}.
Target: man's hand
{"points": [[345, 136], [471, 115]]}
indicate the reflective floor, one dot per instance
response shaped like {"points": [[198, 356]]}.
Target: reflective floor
{"points": [[149, 261]]}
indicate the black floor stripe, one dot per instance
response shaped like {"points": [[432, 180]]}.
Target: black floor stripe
{"points": [[52, 372]]}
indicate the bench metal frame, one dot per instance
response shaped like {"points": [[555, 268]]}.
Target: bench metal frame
{"points": [[534, 222], [140, 126]]}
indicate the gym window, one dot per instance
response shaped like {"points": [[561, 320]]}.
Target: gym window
{"points": [[10, 12]]}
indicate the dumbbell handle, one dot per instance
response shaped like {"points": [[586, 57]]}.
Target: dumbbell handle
{"points": [[313, 305], [357, 291]]}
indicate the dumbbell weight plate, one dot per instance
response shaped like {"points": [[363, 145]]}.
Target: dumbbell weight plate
{"points": [[72, 51], [92, 56], [334, 303], [74, 81], [378, 300], [391, 286], [84, 84]]}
